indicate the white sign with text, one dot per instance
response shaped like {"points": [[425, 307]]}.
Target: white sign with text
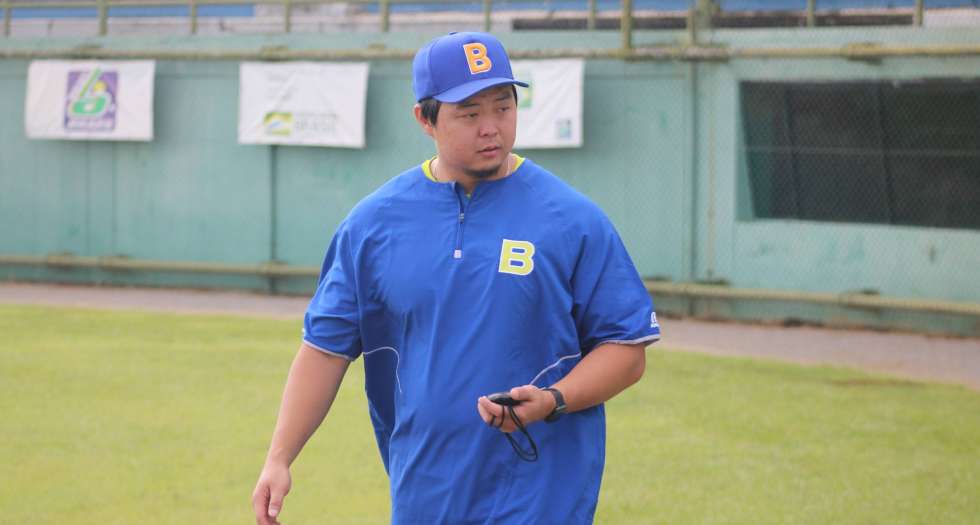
{"points": [[302, 103], [550, 111]]}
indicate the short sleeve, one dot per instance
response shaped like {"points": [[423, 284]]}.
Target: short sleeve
{"points": [[610, 302], [332, 322]]}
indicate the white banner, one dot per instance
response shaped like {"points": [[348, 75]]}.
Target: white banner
{"points": [[90, 100], [550, 111], [302, 103]]}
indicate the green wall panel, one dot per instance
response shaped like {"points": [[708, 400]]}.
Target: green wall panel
{"points": [[317, 187], [662, 154], [827, 257], [634, 159]]}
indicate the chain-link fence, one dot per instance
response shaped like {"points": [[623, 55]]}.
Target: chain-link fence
{"points": [[862, 188], [902, 152]]}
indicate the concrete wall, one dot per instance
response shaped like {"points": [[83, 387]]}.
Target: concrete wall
{"points": [[818, 256], [662, 155]]}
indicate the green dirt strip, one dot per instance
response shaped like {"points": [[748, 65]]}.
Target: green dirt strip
{"points": [[121, 418]]}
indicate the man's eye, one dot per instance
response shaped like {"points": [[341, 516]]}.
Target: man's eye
{"points": [[503, 109]]}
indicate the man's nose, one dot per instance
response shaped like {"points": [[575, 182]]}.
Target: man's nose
{"points": [[488, 127]]}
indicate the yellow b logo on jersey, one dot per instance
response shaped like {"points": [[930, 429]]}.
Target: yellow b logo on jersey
{"points": [[476, 57], [516, 257]]}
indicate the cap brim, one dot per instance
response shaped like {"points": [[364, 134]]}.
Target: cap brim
{"points": [[467, 90]]}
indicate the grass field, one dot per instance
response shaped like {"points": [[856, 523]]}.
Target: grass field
{"points": [[144, 418]]}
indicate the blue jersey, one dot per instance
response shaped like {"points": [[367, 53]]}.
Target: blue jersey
{"points": [[451, 297]]}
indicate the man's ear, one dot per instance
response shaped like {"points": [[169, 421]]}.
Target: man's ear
{"points": [[427, 126]]}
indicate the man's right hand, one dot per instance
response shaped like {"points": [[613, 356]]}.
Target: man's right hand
{"points": [[273, 485], [314, 379]]}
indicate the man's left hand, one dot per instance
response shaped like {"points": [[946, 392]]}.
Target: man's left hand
{"points": [[535, 405]]}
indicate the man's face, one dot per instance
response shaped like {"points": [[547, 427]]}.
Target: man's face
{"points": [[476, 135]]}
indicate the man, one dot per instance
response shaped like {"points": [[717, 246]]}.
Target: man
{"points": [[474, 273]]}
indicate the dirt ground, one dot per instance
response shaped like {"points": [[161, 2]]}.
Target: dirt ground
{"points": [[918, 357]]}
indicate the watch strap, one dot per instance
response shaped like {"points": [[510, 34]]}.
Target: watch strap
{"points": [[559, 405]]}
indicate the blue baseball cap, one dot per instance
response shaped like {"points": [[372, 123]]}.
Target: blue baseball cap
{"points": [[456, 66]]}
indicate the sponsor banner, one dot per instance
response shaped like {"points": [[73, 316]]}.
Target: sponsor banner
{"points": [[90, 100], [550, 111], [302, 103]]}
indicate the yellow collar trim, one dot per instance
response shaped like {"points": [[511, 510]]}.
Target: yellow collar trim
{"points": [[427, 167]]}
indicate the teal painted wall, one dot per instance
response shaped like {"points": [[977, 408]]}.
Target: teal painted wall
{"points": [[818, 256], [662, 155]]}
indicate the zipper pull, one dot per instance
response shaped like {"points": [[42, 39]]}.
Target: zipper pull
{"points": [[461, 216]]}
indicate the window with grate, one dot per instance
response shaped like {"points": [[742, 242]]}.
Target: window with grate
{"points": [[905, 153]]}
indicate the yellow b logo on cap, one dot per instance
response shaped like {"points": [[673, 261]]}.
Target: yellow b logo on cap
{"points": [[476, 57]]}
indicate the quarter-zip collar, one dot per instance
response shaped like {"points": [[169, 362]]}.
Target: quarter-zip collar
{"points": [[427, 172], [463, 201]]}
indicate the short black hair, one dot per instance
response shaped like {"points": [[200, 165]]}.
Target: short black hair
{"points": [[430, 106]]}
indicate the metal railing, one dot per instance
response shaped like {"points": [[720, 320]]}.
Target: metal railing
{"points": [[674, 52], [103, 6], [700, 11], [275, 269]]}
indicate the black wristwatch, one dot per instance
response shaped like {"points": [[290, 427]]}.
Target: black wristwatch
{"points": [[559, 405]]}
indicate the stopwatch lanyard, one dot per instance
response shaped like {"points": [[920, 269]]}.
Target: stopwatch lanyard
{"points": [[526, 455]]}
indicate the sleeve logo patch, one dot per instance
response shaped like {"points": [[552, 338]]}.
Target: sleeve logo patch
{"points": [[516, 257], [653, 320]]}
